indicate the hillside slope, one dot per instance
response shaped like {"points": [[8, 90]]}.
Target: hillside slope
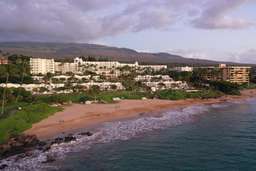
{"points": [[71, 50]]}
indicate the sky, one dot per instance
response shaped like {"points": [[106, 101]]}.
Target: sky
{"points": [[208, 29]]}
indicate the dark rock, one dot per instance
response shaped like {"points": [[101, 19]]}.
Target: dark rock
{"points": [[3, 166], [86, 133], [57, 140], [20, 156], [66, 139], [45, 147], [18, 145], [49, 159], [69, 138], [41, 144]]}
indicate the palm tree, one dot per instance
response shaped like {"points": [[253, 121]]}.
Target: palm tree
{"points": [[4, 92], [22, 79]]}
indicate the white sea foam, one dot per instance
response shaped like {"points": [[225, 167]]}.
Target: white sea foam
{"points": [[122, 130], [245, 101], [221, 105]]}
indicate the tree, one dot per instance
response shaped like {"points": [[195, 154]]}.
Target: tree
{"points": [[113, 87], [43, 89], [48, 77], [161, 85], [95, 89], [18, 69], [225, 87], [91, 58], [83, 99]]}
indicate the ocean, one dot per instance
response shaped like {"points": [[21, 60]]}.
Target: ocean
{"points": [[213, 137]]}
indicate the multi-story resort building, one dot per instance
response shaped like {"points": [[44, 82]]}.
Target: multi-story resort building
{"points": [[41, 66], [65, 67], [108, 68], [161, 82], [3, 60], [236, 74], [233, 74], [253, 74], [183, 69], [115, 64]]}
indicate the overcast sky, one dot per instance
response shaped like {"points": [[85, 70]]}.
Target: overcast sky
{"points": [[213, 29]]}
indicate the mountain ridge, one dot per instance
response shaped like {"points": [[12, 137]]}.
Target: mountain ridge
{"points": [[71, 50]]}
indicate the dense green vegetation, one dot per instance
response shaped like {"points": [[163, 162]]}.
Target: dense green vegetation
{"points": [[15, 95], [248, 86], [101, 96], [181, 94], [59, 98], [16, 71], [23, 119], [225, 87]]}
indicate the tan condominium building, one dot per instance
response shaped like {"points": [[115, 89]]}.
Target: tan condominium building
{"points": [[233, 74], [3, 60], [236, 74], [41, 66]]}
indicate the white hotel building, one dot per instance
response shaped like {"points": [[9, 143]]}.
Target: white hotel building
{"points": [[44, 66], [116, 64], [41, 66]]}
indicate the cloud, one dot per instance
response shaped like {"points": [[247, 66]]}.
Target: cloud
{"points": [[247, 56], [89, 20], [198, 54], [214, 16]]}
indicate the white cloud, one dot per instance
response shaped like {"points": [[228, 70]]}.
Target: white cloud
{"points": [[247, 56], [215, 15], [87, 20]]}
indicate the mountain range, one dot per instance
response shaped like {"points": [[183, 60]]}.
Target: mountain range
{"points": [[71, 50]]}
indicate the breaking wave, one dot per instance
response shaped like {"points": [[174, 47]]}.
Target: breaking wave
{"points": [[108, 132]]}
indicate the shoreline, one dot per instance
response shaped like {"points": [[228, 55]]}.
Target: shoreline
{"points": [[79, 116]]}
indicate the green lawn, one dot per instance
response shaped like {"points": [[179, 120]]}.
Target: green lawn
{"points": [[23, 119], [107, 97]]}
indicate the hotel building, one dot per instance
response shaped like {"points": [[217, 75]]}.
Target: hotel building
{"points": [[115, 64], [183, 69], [3, 60], [107, 68], [41, 66], [65, 67], [233, 74], [236, 74]]}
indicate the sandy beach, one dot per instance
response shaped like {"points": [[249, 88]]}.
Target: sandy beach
{"points": [[79, 116]]}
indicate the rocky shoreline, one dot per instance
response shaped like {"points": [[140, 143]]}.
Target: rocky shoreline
{"points": [[22, 146]]}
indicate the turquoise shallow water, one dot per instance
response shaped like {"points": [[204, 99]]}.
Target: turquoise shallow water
{"points": [[221, 138]]}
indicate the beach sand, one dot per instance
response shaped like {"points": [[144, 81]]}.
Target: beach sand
{"points": [[80, 116]]}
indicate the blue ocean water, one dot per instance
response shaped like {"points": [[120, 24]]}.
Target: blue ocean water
{"points": [[219, 138]]}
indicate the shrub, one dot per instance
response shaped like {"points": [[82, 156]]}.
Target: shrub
{"points": [[83, 99], [171, 94], [225, 87], [181, 94]]}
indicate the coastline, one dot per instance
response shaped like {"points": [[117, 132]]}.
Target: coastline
{"points": [[79, 116]]}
